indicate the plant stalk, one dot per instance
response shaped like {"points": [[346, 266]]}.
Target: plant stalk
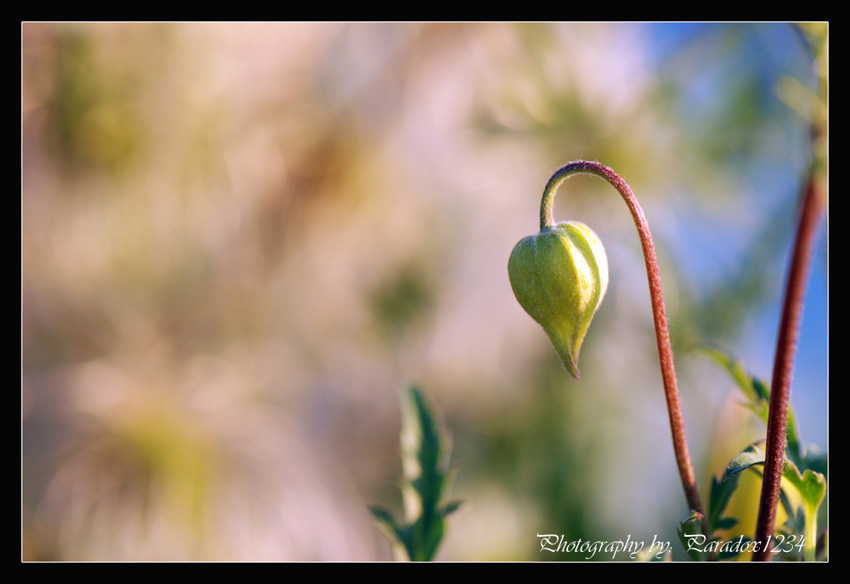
{"points": [[662, 335], [783, 365]]}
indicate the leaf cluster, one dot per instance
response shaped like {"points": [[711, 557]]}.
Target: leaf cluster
{"points": [[804, 484]]}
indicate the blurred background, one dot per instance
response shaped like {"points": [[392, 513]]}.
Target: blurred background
{"points": [[240, 241]]}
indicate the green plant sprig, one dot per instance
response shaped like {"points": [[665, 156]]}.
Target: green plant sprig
{"points": [[425, 478]]}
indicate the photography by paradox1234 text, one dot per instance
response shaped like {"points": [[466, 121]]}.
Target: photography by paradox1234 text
{"points": [[607, 550], [637, 549]]}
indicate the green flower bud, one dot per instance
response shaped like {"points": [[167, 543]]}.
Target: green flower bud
{"points": [[559, 277]]}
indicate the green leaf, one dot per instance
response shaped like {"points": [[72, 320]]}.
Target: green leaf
{"points": [[690, 533], [753, 455], [719, 496], [725, 524], [395, 533], [757, 395], [810, 485], [386, 520], [451, 508], [735, 369], [815, 460]]}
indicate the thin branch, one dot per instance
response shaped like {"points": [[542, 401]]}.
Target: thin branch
{"points": [[786, 346], [662, 335]]}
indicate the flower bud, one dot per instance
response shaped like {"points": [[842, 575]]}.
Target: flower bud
{"points": [[559, 277]]}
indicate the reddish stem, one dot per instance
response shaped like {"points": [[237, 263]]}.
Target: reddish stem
{"points": [[662, 335], [786, 346]]}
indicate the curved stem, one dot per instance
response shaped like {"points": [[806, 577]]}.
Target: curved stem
{"points": [[786, 344], [662, 335]]}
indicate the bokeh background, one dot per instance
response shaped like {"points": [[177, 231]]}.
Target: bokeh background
{"points": [[241, 240]]}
